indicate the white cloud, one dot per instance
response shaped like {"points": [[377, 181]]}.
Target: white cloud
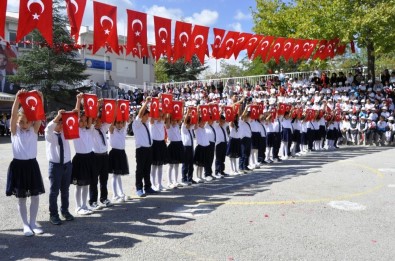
{"points": [[205, 17], [236, 27], [242, 16]]}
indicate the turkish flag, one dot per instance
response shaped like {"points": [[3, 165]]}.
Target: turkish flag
{"points": [[264, 47], [32, 105], [154, 108], [328, 109], [254, 112], [194, 115], [338, 117], [105, 27], [162, 36], [282, 108], [300, 112], [229, 114], [123, 110], [181, 39], [241, 43], [297, 50], [75, 12], [214, 112], [198, 43], [228, 45], [308, 48], [35, 15], [71, 128], [167, 100], [341, 49], [108, 111], [276, 49], [90, 105], [205, 112], [236, 108], [321, 49], [261, 108], [3, 10], [310, 113], [321, 113], [252, 44], [273, 114], [288, 48], [178, 110], [137, 33], [330, 49], [153, 52], [218, 36]]}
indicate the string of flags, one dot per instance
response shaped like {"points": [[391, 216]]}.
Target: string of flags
{"points": [[189, 40]]}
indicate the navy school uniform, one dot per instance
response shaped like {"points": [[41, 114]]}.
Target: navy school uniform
{"points": [[84, 159], [118, 161], [245, 148], [212, 137], [220, 147], [200, 157], [187, 141], [159, 148], [175, 148], [233, 147]]}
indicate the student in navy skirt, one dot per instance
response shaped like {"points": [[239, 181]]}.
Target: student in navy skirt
{"points": [[233, 149], [188, 144], [297, 126], [256, 144], [24, 176], [159, 150], [286, 134], [175, 151], [262, 148], [245, 148], [83, 161], [118, 161], [200, 157]]}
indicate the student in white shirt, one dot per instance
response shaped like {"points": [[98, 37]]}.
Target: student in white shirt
{"points": [[24, 176], [187, 140], [59, 169], [233, 149], [175, 150], [220, 148], [286, 135], [246, 133], [200, 157], [143, 143], [83, 161], [256, 144]]}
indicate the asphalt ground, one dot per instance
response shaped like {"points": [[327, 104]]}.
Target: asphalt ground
{"points": [[324, 206]]}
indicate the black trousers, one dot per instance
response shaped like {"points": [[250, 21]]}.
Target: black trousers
{"points": [[143, 167], [310, 138], [101, 173], [187, 166], [220, 154], [245, 153], [276, 144], [208, 170], [262, 150]]}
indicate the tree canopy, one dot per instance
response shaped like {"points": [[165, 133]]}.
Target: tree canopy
{"points": [[368, 22], [178, 71]]}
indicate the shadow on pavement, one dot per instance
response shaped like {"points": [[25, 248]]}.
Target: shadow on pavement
{"points": [[118, 229]]}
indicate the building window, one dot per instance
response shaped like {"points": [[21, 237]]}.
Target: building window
{"points": [[22, 44], [145, 60]]}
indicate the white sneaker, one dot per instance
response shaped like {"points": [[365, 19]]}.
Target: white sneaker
{"points": [[234, 173], [199, 180], [106, 203], [257, 166], [161, 188], [120, 199], [182, 184], [83, 212], [172, 186], [209, 178], [217, 176], [94, 206]]}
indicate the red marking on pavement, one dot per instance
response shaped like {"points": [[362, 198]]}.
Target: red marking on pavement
{"points": [[374, 241], [266, 215]]}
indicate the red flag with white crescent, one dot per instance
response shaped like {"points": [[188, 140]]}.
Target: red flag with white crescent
{"points": [[71, 128], [105, 27], [288, 107], [254, 112], [288, 48], [35, 15], [75, 12], [162, 36], [273, 113], [308, 48], [277, 48], [321, 49], [236, 108], [178, 110], [167, 100], [263, 48], [214, 112], [90, 105], [194, 115], [181, 39], [3, 10], [205, 112], [108, 111], [218, 37], [241, 43], [154, 108], [198, 43], [32, 105], [282, 107], [252, 44], [229, 114], [137, 34], [123, 110], [261, 107], [228, 45]]}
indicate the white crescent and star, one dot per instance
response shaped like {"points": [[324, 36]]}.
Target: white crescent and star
{"points": [[31, 98], [166, 101], [240, 40], [204, 111], [306, 46], [250, 42], [276, 47], [121, 106], [287, 46], [229, 46], [184, 44], [106, 18], [296, 48], [137, 21], [68, 120], [74, 2], [108, 105], [199, 36], [40, 2], [264, 45], [162, 29], [176, 108]]}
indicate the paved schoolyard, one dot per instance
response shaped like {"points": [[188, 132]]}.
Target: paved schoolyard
{"points": [[324, 206]]}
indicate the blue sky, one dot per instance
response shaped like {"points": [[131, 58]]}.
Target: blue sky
{"points": [[226, 14]]}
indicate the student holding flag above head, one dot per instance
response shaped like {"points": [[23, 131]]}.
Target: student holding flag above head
{"points": [[187, 139]]}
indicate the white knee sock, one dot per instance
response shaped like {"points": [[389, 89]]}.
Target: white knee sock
{"points": [[154, 169], [176, 171], [84, 196], [77, 194], [160, 174], [253, 157], [33, 211], [119, 186], [23, 214], [114, 186], [285, 149], [170, 174], [293, 148], [233, 164]]}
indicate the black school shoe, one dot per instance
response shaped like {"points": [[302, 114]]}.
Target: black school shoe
{"points": [[55, 220], [67, 216]]}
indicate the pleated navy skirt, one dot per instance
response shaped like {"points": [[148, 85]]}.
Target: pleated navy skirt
{"points": [[296, 136], [159, 152], [201, 156], [256, 140], [176, 152], [118, 162], [286, 135], [83, 169], [24, 179], [233, 148]]}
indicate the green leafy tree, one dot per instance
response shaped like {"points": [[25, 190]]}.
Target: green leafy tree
{"points": [[45, 66], [369, 23], [181, 71], [160, 71]]}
